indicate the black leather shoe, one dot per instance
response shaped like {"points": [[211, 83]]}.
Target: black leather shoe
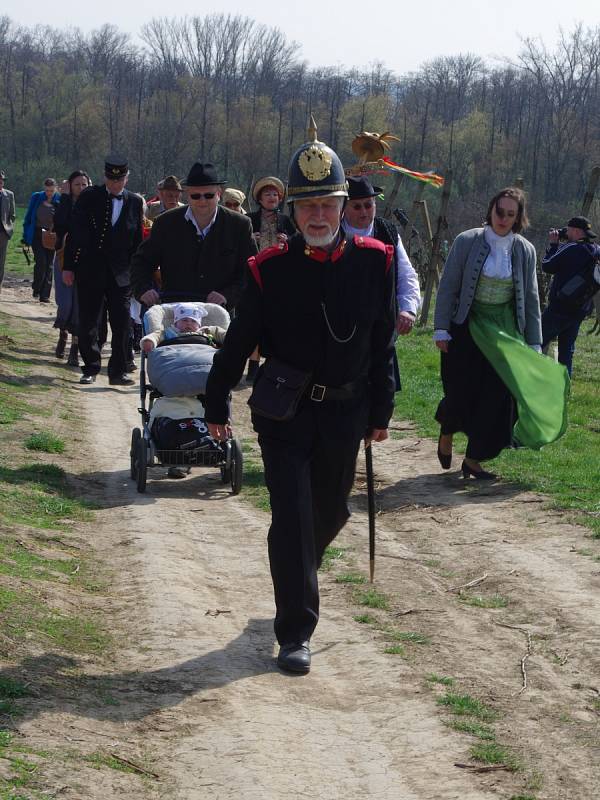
{"points": [[121, 380], [86, 380], [478, 474], [294, 657]]}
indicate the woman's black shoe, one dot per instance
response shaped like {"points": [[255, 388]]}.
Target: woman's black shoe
{"points": [[478, 474], [444, 459]]}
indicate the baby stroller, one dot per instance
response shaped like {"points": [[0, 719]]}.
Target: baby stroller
{"points": [[177, 371]]}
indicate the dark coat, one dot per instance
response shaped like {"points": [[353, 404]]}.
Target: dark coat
{"points": [[284, 223], [190, 266], [332, 316], [94, 246]]}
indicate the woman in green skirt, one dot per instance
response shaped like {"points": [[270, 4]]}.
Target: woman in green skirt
{"points": [[498, 387]]}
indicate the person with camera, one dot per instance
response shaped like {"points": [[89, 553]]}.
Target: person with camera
{"points": [[573, 262], [38, 233]]}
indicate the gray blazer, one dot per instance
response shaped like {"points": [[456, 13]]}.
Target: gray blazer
{"points": [[461, 273], [7, 212]]}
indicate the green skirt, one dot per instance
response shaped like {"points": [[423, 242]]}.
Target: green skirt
{"points": [[539, 386]]}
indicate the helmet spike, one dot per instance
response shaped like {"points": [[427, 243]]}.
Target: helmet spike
{"points": [[312, 130]]}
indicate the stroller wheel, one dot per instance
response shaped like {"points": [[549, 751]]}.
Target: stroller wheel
{"points": [[136, 435], [237, 466], [141, 464]]}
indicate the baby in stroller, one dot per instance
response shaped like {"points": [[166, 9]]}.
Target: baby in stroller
{"points": [[187, 321], [179, 350]]}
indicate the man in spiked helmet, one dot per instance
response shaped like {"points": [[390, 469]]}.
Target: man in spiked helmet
{"points": [[321, 308]]}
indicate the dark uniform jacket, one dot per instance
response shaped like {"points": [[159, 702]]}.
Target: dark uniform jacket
{"points": [[94, 246], [191, 266], [564, 261], [284, 223], [328, 314]]}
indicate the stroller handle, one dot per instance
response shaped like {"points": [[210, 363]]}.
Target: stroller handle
{"points": [[190, 297]]}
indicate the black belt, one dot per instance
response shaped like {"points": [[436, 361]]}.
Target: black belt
{"points": [[317, 392]]}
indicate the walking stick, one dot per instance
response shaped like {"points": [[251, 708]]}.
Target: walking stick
{"points": [[25, 251], [371, 508]]}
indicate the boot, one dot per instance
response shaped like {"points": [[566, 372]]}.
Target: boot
{"points": [[61, 344], [73, 359]]}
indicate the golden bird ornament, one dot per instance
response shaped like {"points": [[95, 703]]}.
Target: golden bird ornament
{"points": [[369, 146]]}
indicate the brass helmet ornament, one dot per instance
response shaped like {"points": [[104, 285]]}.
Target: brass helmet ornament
{"points": [[368, 146], [315, 170]]}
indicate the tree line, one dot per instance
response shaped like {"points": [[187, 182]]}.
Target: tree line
{"points": [[229, 90]]}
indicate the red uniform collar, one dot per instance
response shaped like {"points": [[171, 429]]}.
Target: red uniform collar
{"points": [[320, 255]]}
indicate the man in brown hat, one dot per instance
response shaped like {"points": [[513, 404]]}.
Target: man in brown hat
{"points": [[169, 194], [201, 248]]}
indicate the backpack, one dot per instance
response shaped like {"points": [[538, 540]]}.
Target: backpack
{"points": [[578, 291]]}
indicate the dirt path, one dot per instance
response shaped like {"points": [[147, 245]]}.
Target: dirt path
{"points": [[195, 696]]}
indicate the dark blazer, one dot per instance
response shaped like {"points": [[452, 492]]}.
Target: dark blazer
{"points": [[94, 245], [284, 223], [193, 267], [7, 212]]}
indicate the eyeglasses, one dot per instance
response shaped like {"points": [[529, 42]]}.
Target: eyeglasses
{"points": [[502, 213], [367, 204], [202, 195]]}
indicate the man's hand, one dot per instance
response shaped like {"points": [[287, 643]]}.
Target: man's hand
{"points": [[68, 277], [442, 345], [65, 187], [150, 298], [216, 297], [220, 432], [404, 322], [553, 235], [376, 435], [147, 345]]}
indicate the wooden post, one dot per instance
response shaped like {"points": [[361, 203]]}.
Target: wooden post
{"points": [[590, 191], [389, 207], [433, 274], [413, 215]]}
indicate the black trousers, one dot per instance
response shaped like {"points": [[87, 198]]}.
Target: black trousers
{"points": [[42, 267], [475, 401], [309, 482], [93, 299], [4, 240]]}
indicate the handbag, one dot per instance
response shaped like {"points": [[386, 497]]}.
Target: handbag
{"points": [[48, 239], [579, 289], [278, 390]]}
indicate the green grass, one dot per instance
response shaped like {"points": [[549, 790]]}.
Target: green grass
{"points": [[522, 797], [566, 470], [441, 679], [45, 442], [492, 753], [20, 562], [480, 601], [395, 650], [365, 619], [16, 263], [473, 728], [351, 577], [253, 487], [330, 556], [99, 760], [9, 692], [467, 706], [372, 599], [37, 495]]}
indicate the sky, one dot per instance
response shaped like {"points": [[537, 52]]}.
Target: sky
{"points": [[401, 34]]}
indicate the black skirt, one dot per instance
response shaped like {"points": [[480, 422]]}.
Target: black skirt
{"points": [[476, 402]]}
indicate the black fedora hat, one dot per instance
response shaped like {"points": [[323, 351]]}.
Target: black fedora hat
{"points": [[359, 187], [203, 175]]}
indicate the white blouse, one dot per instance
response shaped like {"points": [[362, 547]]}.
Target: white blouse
{"points": [[498, 264]]}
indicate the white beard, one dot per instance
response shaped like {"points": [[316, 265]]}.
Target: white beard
{"points": [[321, 241]]}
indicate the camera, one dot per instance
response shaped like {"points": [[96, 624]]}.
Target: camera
{"points": [[562, 234]]}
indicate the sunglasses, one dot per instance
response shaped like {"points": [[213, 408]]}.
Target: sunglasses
{"points": [[367, 204], [502, 213], [202, 195]]}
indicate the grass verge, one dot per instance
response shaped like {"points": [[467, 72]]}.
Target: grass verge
{"points": [[566, 470]]}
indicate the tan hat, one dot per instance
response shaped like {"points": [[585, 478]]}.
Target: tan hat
{"points": [[170, 182], [261, 183], [233, 196]]}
